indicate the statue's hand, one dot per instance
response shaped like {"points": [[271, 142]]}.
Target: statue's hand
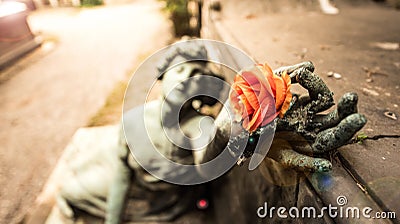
{"points": [[304, 134]]}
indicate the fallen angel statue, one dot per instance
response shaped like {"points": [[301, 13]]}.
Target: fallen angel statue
{"points": [[260, 111]]}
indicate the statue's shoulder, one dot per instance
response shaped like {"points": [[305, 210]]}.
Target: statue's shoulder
{"points": [[142, 124], [138, 114]]}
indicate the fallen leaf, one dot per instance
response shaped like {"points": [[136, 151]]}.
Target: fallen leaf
{"points": [[390, 115], [250, 16], [337, 75], [334, 75], [324, 47], [391, 46], [370, 92]]}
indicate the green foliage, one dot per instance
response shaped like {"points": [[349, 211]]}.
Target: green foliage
{"points": [[88, 3], [180, 16], [111, 112], [176, 6], [360, 137]]}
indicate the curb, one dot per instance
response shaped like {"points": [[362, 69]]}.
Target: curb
{"points": [[19, 51]]}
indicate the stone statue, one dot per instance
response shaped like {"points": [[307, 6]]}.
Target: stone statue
{"points": [[100, 185]]}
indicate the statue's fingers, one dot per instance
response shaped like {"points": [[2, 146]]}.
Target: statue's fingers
{"points": [[301, 162], [339, 135], [296, 141], [282, 152], [320, 94], [292, 70], [347, 105], [299, 101]]}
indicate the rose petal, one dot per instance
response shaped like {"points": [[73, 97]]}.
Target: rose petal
{"points": [[280, 91], [251, 98], [247, 106], [267, 71], [250, 78], [286, 103], [252, 124], [280, 87]]}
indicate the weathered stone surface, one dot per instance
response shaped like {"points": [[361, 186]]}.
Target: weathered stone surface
{"points": [[276, 37]]}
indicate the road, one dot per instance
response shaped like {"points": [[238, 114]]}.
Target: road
{"points": [[46, 96]]}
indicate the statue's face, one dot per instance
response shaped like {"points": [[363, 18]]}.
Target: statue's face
{"points": [[183, 81]]}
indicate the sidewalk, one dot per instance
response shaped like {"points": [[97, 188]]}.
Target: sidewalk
{"points": [[46, 96], [355, 44]]}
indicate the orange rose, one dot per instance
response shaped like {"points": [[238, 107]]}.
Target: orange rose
{"points": [[260, 98]]}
